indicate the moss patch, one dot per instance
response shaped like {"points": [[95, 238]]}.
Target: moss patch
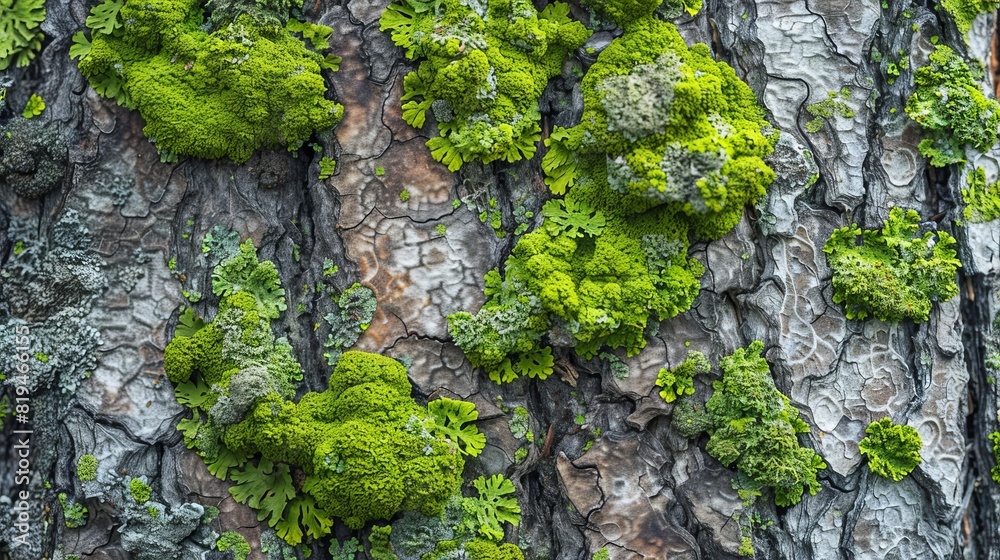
{"points": [[483, 68], [210, 90], [895, 273]]}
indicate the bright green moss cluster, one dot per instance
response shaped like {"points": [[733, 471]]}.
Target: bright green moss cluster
{"points": [[754, 427], [893, 450], [20, 36], [231, 540], [995, 470], [141, 492], [484, 66], [895, 273], [679, 381], [366, 450], [86, 468], [671, 144], [965, 11], [982, 199], [211, 90], [952, 110]]}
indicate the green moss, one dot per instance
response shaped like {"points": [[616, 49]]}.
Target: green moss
{"points": [[670, 145], [965, 11], [86, 467], [379, 547], [365, 448], [74, 513], [754, 428], [995, 470], [33, 107], [896, 273], [231, 540], [213, 90], [327, 166], [404, 195], [601, 554], [20, 33], [481, 73], [982, 200], [141, 492], [952, 110], [893, 450], [679, 381]]}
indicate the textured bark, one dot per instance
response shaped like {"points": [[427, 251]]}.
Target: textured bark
{"points": [[639, 489]]}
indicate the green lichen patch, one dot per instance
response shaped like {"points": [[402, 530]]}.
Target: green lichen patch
{"points": [[965, 11], [896, 272], [86, 467], [231, 540], [754, 428], [828, 108], [995, 469], [679, 381], [948, 103], [361, 450], [74, 513], [211, 90], [483, 68], [20, 33], [893, 450], [140, 491], [671, 144], [982, 199]]}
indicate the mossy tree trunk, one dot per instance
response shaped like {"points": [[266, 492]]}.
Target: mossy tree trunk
{"points": [[637, 488]]}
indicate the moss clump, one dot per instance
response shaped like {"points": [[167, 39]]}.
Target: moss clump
{"points": [[141, 492], [231, 540], [965, 11], [895, 273], [754, 428], [20, 36], [484, 66], [952, 110], [86, 468], [671, 144], [893, 450], [364, 448], [210, 90], [74, 513], [982, 200], [679, 381]]}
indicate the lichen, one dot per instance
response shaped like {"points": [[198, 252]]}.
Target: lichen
{"points": [[893, 450], [33, 157], [949, 105], [679, 381], [896, 273], [86, 467], [364, 448], [49, 289], [982, 199], [965, 11], [611, 257], [20, 33], [211, 90], [754, 428], [483, 68]]}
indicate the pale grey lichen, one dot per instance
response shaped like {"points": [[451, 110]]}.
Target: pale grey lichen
{"points": [[639, 104], [33, 157], [50, 288]]}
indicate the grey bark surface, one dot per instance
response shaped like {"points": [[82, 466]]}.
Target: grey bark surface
{"points": [[639, 489]]}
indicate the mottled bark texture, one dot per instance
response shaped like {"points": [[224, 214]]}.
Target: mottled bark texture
{"points": [[640, 489]]}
